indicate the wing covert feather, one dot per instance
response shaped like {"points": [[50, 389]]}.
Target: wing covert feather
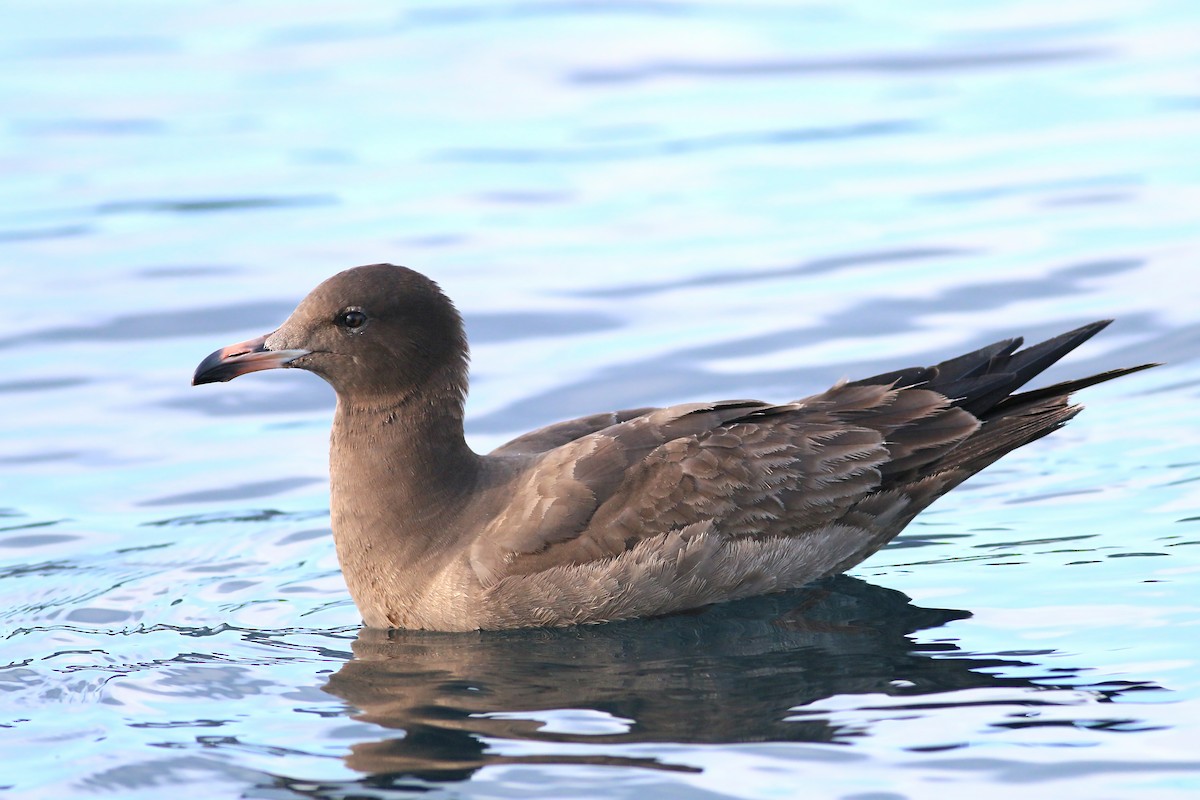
{"points": [[740, 468], [562, 433]]}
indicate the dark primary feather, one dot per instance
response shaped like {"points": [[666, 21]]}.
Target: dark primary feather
{"points": [[867, 455]]}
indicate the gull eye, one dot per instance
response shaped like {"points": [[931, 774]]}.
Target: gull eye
{"points": [[351, 319]]}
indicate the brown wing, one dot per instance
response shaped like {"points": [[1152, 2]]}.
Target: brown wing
{"points": [[739, 468], [562, 490], [562, 433], [866, 455]]}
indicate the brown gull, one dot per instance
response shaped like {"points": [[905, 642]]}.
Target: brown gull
{"points": [[629, 513]]}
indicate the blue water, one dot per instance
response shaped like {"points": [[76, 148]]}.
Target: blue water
{"points": [[632, 203]]}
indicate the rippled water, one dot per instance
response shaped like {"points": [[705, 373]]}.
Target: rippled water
{"points": [[633, 203]]}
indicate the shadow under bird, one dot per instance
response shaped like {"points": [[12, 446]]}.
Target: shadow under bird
{"points": [[621, 514]]}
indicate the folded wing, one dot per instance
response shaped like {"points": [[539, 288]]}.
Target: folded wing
{"points": [[866, 456]]}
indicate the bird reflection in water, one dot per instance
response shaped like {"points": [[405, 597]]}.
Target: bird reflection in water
{"points": [[730, 673]]}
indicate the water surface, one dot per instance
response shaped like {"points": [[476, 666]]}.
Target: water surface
{"points": [[632, 203]]}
